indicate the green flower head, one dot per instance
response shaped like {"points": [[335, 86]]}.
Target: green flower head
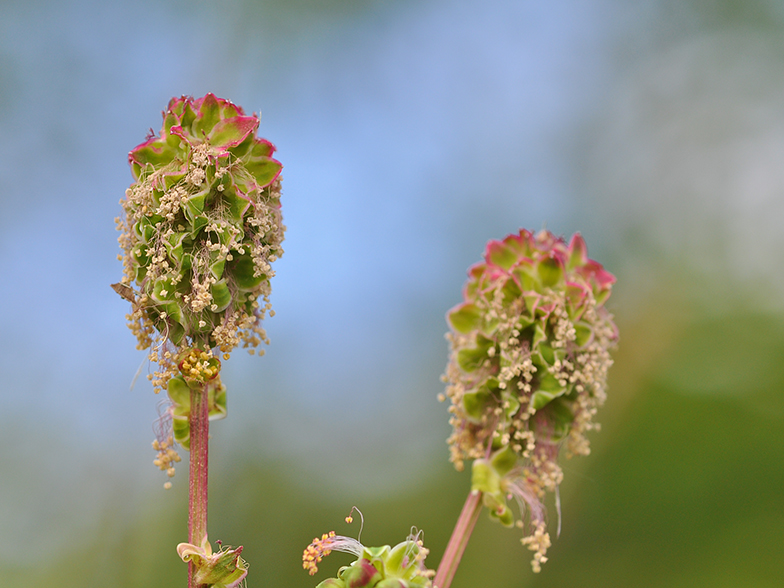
{"points": [[530, 350], [201, 229]]}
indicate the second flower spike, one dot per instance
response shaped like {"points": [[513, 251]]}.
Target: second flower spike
{"points": [[530, 350]]}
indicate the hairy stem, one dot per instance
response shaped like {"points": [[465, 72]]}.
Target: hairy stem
{"points": [[457, 543], [199, 449]]}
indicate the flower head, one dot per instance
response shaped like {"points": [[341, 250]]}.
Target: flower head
{"points": [[527, 370], [201, 228]]}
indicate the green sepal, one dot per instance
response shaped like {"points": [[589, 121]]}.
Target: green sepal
{"points": [[240, 151], [231, 132], [159, 287], [169, 120], [503, 461], [262, 148], [540, 333], [194, 207], [238, 205], [472, 358], [512, 402], [188, 115], [484, 478], [465, 317], [559, 417], [376, 554], [221, 296], [207, 117], [243, 269], [179, 392], [172, 179], [174, 245], [503, 514], [548, 389], [546, 355], [332, 583], [393, 565], [264, 170], [181, 429], [217, 401], [474, 404], [392, 583], [583, 334], [156, 153], [176, 331], [147, 227], [601, 296], [551, 271], [511, 291], [578, 252], [173, 312], [527, 277], [217, 267], [500, 254]]}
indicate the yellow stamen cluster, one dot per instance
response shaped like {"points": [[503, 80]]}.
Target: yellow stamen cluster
{"points": [[166, 458], [198, 365], [316, 551], [538, 542], [161, 354]]}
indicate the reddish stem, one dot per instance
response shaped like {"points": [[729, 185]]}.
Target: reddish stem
{"points": [[457, 543], [199, 449]]}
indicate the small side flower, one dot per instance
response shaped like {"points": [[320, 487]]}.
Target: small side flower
{"points": [[401, 566]]}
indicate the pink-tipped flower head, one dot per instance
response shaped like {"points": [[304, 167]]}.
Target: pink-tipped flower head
{"points": [[201, 229], [530, 350]]}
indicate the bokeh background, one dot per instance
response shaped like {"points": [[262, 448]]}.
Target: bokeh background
{"points": [[411, 132]]}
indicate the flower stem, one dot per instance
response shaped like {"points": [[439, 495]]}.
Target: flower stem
{"points": [[457, 543], [199, 448]]}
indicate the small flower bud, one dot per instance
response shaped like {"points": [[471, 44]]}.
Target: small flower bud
{"points": [[224, 569]]}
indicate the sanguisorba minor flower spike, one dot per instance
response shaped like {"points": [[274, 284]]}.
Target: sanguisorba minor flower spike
{"points": [[202, 227], [527, 370]]}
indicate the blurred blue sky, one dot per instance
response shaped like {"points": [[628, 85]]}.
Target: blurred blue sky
{"points": [[411, 132]]}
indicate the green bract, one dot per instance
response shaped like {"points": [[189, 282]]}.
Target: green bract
{"points": [[224, 569], [528, 366], [202, 227]]}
